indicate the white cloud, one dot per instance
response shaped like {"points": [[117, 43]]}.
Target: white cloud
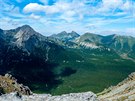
{"points": [[112, 3], [33, 16], [68, 16], [8, 9], [33, 7], [8, 23], [126, 5], [129, 7], [78, 15], [130, 31], [58, 7], [15, 12], [125, 32], [5, 7], [106, 7]]}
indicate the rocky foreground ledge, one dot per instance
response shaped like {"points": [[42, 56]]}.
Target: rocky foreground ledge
{"points": [[87, 96], [9, 84], [11, 90], [124, 91]]}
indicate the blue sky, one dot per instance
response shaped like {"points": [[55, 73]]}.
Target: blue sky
{"points": [[53, 16]]}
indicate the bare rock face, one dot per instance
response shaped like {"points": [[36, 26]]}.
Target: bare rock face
{"points": [[87, 96], [124, 91], [9, 84]]}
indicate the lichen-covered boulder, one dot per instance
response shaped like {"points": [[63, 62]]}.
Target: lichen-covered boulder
{"points": [[9, 84]]}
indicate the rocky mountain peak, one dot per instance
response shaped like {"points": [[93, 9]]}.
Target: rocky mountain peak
{"points": [[20, 32], [90, 38], [74, 34], [63, 32], [66, 36], [24, 27], [23, 34], [91, 35]]}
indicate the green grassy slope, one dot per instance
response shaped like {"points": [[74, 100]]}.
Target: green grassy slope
{"points": [[93, 72]]}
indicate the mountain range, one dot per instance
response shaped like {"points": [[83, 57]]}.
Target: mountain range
{"points": [[25, 37], [52, 61]]}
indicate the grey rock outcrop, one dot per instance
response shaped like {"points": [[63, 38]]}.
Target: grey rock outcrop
{"points": [[9, 84], [124, 91], [87, 96]]}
